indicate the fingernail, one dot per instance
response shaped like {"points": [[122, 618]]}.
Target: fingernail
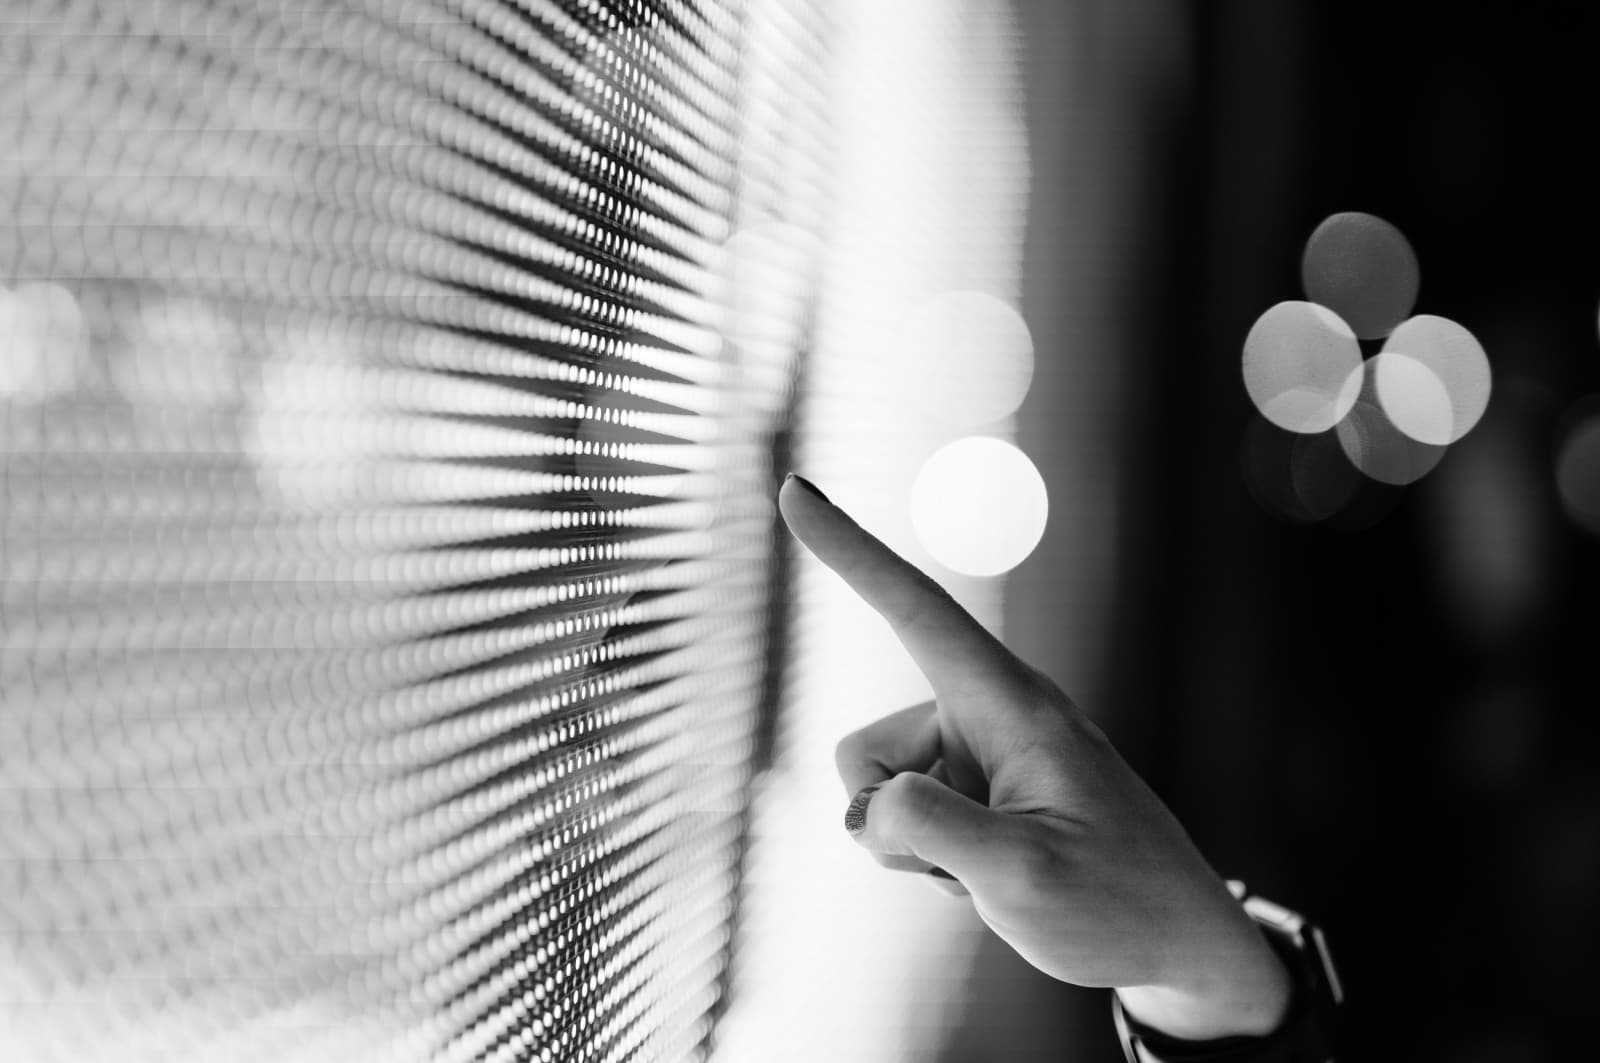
{"points": [[855, 817], [809, 486]]}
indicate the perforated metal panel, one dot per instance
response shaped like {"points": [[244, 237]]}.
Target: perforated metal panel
{"points": [[387, 426]]}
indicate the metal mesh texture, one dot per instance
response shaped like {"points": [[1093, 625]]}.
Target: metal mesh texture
{"points": [[389, 395]]}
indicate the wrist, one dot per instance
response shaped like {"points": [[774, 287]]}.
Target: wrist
{"points": [[1235, 986]]}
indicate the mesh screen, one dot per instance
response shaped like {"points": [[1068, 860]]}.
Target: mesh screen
{"points": [[389, 397]]}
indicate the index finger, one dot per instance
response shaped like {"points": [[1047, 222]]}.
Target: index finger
{"points": [[947, 643]]}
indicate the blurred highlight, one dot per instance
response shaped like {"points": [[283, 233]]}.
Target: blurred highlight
{"points": [[979, 506], [1302, 367], [1363, 269], [44, 341], [1578, 466], [964, 358], [1394, 414], [917, 344], [1437, 392]]}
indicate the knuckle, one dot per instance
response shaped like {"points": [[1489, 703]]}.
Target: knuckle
{"points": [[848, 749], [898, 803], [910, 788]]}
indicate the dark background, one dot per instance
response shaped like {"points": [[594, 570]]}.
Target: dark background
{"points": [[1384, 720]]}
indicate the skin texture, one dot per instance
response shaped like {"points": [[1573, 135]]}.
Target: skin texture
{"points": [[1014, 797]]}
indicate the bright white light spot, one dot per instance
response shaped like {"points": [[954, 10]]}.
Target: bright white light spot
{"points": [[1378, 448], [1363, 269], [1578, 473], [1302, 367], [313, 430], [965, 358], [1414, 398], [44, 341], [1456, 359], [979, 506]]}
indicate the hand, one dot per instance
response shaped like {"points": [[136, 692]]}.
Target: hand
{"points": [[1003, 784]]}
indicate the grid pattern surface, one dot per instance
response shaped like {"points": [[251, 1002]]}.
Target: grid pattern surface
{"points": [[389, 395]]}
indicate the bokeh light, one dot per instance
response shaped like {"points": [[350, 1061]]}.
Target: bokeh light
{"points": [[979, 506], [1578, 467], [1363, 269], [964, 358], [1414, 398], [1456, 361], [1302, 478], [313, 425], [1376, 446], [1302, 367], [44, 341]]}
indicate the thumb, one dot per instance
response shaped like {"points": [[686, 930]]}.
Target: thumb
{"points": [[915, 815]]}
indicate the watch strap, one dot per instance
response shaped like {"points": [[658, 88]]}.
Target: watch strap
{"points": [[1307, 1033]]}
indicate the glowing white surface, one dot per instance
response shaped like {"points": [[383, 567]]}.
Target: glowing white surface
{"points": [[839, 959], [979, 506], [965, 358], [43, 341], [179, 351]]}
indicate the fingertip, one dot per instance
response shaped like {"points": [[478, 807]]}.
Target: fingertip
{"points": [[808, 487], [797, 489], [806, 511], [855, 815], [788, 493]]}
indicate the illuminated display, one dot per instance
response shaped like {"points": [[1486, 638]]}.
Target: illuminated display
{"points": [[395, 624], [918, 358], [387, 411]]}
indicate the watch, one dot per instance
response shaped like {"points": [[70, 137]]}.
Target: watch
{"points": [[1308, 1031]]}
